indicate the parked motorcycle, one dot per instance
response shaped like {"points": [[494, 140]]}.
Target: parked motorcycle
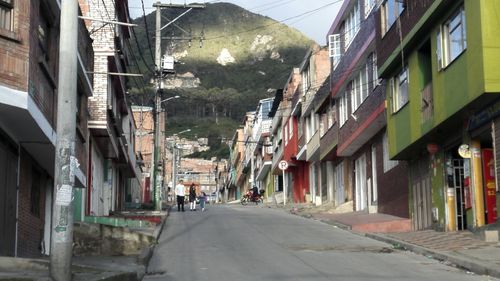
{"points": [[249, 197]]}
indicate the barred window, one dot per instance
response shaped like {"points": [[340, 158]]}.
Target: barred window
{"points": [[6, 12]]}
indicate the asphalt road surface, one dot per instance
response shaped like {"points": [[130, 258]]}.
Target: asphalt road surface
{"points": [[243, 243]]}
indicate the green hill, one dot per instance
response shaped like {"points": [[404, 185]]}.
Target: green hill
{"points": [[243, 57]]}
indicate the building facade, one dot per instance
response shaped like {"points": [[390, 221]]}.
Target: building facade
{"points": [[29, 52], [361, 170], [438, 59], [112, 160]]}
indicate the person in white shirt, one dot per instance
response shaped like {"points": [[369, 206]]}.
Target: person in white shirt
{"points": [[180, 192]]}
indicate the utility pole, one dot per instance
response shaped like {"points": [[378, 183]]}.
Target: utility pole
{"points": [[159, 71], [65, 162]]}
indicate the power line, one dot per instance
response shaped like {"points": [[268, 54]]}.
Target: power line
{"points": [[276, 22], [147, 33], [140, 51], [274, 6]]}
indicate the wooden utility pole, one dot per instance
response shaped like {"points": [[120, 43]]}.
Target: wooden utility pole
{"points": [[65, 163]]}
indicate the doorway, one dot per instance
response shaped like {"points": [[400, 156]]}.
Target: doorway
{"points": [[8, 198], [360, 182], [422, 194], [455, 179]]}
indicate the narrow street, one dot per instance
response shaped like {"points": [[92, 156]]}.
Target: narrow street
{"points": [[257, 243]]}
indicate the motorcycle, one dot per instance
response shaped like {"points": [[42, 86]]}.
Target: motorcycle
{"points": [[249, 197]]}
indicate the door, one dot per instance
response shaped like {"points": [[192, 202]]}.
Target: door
{"points": [[360, 182], [324, 183], [373, 187], [457, 182], [421, 188], [339, 185], [8, 199]]}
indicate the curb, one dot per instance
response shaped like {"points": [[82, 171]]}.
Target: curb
{"points": [[147, 253], [463, 263], [456, 260]]}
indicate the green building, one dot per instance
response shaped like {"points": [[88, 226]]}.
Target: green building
{"points": [[440, 61]]}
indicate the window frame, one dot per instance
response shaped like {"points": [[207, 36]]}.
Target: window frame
{"points": [[443, 38], [343, 109], [396, 93], [8, 7], [388, 163], [386, 24], [369, 5], [334, 49], [352, 24], [373, 59]]}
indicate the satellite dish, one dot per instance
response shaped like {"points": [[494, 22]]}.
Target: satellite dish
{"points": [[464, 151]]}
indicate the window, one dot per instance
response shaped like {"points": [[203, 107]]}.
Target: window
{"points": [[391, 9], [43, 37], [369, 4], [399, 90], [306, 80], [351, 25], [300, 127], [322, 124], [451, 39], [286, 135], [290, 129], [374, 70], [388, 164], [359, 88], [343, 110], [334, 49], [265, 109], [331, 115], [363, 77], [6, 12]]}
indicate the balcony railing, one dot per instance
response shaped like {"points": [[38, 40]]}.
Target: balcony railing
{"points": [[427, 107]]}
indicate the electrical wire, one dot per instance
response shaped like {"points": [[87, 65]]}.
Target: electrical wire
{"points": [[272, 7], [147, 33], [276, 22]]}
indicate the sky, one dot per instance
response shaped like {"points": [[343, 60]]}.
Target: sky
{"points": [[311, 17]]}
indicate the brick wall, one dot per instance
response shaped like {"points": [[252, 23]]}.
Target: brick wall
{"points": [[388, 42], [393, 186], [103, 44], [30, 226], [43, 64], [372, 102], [14, 49]]}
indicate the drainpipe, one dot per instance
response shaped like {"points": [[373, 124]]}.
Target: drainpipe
{"points": [[477, 181], [451, 203]]}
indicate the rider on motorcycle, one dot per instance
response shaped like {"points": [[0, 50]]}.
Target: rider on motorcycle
{"points": [[255, 192]]}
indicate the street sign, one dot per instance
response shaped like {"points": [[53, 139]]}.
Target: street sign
{"points": [[283, 165]]}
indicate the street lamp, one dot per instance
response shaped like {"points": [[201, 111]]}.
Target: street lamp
{"points": [[156, 188], [170, 98]]}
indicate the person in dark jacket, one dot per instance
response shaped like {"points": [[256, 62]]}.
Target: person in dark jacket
{"points": [[192, 197]]}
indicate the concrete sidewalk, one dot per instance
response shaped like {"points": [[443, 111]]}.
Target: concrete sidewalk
{"points": [[88, 268], [462, 248]]}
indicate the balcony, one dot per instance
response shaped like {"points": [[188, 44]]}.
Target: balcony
{"points": [[329, 142], [277, 157], [312, 153], [264, 168]]}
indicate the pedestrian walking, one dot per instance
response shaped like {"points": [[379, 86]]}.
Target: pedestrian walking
{"points": [[180, 193], [203, 198], [192, 197]]}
